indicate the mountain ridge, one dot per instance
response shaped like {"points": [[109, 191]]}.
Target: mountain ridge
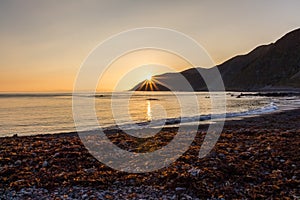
{"points": [[274, 66]]}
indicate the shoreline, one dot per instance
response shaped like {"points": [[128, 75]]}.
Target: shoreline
{"points": [[244, 115], [256, 157], [22, 125]]}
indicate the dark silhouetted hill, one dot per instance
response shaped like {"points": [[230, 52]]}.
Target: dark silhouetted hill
{"points": [[268, 67]]}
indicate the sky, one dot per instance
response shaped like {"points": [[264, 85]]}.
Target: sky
{"points": [[44, 43]]}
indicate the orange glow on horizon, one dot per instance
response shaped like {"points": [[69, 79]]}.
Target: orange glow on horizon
{"points": [[140, 66]]}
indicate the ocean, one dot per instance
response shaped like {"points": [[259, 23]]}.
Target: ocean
{"points": [[49, 113]]}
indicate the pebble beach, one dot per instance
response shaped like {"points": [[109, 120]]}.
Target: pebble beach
{"points": [[254, 158]]}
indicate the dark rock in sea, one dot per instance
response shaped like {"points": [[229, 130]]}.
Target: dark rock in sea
{"points": [[152, 99], [99, 96], [270, 94]]}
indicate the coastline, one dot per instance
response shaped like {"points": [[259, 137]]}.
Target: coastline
{"points": [[256, 157], [44, 121]]}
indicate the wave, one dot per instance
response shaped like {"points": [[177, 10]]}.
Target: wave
{"points": [[186, 120], [266, 109]]}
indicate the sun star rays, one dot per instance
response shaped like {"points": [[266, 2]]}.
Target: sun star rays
{"points": [[150, 84]]}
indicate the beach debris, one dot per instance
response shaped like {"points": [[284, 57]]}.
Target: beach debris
{"points": [[152, 99]]}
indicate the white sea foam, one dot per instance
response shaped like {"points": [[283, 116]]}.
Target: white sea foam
{"points": [[186, 120]]}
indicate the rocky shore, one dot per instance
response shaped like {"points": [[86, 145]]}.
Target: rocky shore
{"points": [[255, 157], [269, 94]]}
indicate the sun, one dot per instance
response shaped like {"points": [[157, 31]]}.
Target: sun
{"points": [[149, 84], [149, 78]]}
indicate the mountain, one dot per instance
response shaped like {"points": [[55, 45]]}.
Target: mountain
{"points": [[275, 66]]}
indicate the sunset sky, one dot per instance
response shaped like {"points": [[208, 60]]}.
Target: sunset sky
{"points": [[44, 43]]}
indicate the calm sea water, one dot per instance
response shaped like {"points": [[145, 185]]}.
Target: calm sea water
{"points": [[28, 114]]}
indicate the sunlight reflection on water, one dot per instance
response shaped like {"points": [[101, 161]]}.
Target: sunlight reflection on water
{"points": [[26, 115]]}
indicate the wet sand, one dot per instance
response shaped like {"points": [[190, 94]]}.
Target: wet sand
{"points": [[255, 157]]}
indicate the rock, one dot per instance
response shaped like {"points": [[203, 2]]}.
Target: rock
{"points": [[221, 155], [56, 155], [89, 171], [45, 164], [194, 172], [187, 197], [84, 196], [213, 154], [178, 189], [18, 162]]}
